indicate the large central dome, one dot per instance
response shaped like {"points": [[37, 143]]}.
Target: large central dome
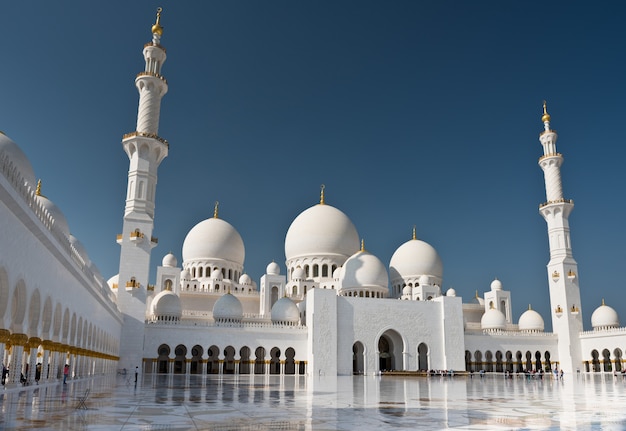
{"points": [[214, 238], [321, 230]]}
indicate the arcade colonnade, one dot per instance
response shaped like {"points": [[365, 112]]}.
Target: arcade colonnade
{"points": [[513, 362], [40, 333], [229, 360]]}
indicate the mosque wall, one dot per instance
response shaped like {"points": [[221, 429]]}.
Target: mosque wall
{"points": [[603, 350], [409, 327], [42, 277]]}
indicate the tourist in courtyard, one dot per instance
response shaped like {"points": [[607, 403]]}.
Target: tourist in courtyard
{"points": [[66, 372]]}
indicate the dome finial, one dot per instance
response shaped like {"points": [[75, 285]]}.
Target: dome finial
{"points": [[546, 117], [216, 208], [603, 301], [414, 236], [156, 28], [529, 307], [362, 244], [476, 294], [322, 201], [38, 190]]}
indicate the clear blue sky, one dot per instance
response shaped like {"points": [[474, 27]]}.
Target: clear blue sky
{"points": [[410, 112]]}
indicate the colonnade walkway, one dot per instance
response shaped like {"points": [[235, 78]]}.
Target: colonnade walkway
{"points": [[180, 403]]}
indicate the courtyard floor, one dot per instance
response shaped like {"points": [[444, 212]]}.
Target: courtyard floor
{"points": [[178, 403]]}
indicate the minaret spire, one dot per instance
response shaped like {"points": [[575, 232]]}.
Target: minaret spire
{"points": [[563, 287], [322, 201], [215, 209], [145, 151]]}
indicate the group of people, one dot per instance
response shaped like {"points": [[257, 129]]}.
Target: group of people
{"points": [[24, 375]]}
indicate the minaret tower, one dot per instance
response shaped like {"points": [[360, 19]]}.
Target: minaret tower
{"points": [[146, 150], [562, 268]]}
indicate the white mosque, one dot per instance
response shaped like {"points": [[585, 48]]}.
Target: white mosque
{"points": [[333, 309]]}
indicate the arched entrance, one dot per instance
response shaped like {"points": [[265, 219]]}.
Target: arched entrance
{"points": [[229, 360], [422, 357], [390, 348], [213, 362], [358, 358], [179, 360], [259, 362], [244, 362], [163, 359], [290, 363], [196, 360]]}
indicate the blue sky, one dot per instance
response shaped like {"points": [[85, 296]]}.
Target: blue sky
{"points": [[411, 113]]}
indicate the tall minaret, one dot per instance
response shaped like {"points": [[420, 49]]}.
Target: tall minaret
{"points": [[146, 150], [562, 269]]}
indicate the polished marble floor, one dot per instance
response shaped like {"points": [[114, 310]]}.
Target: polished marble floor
{"points": [[177, 403]]}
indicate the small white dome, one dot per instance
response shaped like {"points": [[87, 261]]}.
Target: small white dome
{"points": [[424, 280], [216, 274], [169, 260], [185, 274], [57, 215], [245, 280], [18, 158], [214, 238], [604, 317], [531, 321], [298, 274], [272, 269], [337, 273], [451, 292], [363, 269], [406, 290], [496, 285], [414, 258], [228, 307], [285, 311], [493, 319], [166, 304], [321, 230]]}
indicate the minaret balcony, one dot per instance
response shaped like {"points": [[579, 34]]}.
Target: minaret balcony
{"points": [[154, 240], [152, 74], [574, 310], [547, 156], [558, 311], [132, 284], [145, 135], [136, 236], [558, 201]]}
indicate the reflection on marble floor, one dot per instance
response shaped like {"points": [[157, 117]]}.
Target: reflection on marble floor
{"points": [[594, 402]]}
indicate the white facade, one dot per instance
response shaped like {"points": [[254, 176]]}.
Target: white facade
{"points": [[334, 309]]}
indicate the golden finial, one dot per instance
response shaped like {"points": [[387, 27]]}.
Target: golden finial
{"points": [[362, 244], [322, 187], [414, 236], [156, 28], [529, 307], [603, 301], [215, 209], [546, 116], [38, 190], [476, 294]]}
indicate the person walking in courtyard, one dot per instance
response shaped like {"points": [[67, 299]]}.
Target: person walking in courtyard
{"points": [[561, 375], [66, 372], [136, 374]]}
